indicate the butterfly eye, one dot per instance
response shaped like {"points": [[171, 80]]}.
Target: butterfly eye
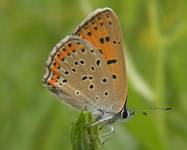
{"points": [[124, 113]]}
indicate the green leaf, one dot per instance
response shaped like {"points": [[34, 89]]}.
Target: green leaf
{"points": [[84, 137]]}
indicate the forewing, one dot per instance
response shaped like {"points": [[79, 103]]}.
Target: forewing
{"points": [[102, 29]]}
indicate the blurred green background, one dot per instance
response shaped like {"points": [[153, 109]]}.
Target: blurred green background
{"points": [[155, 36]]}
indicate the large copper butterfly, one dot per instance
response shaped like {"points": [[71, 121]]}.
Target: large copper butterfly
{"points": [[87, 68]]}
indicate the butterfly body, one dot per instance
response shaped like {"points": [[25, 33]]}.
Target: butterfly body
{"points": [[87, 68]]}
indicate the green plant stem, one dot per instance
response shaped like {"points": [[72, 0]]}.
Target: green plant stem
{"points": [[84, 137]]}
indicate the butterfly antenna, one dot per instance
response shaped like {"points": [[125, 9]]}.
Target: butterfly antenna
{"points": [[145, 109], [157, 108]]}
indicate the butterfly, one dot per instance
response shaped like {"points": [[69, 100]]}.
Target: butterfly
{"points": [[87, 68]]}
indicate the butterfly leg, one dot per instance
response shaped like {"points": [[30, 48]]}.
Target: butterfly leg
{"points": [[107, 134], [101, 121]]}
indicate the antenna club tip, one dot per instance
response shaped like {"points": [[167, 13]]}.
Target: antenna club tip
{"points": [[168, 108]]}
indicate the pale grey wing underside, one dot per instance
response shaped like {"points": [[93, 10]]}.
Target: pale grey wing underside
{"points": [[84, 78]]}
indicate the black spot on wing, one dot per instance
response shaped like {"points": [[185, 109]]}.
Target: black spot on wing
{"points": [[111, 61], [101, 40]]}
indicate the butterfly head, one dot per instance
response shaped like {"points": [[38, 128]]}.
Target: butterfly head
{"points": [[126, 114]]}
